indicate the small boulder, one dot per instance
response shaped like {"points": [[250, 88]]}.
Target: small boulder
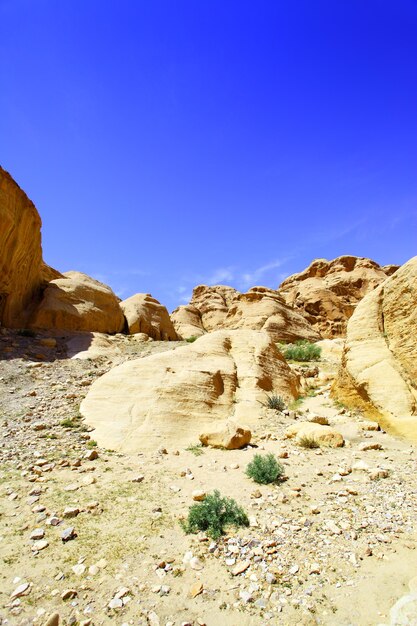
{"points": [[324, 435], [231, 437]]}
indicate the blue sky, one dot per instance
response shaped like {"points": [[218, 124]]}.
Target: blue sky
{"points": [[167, 144]]}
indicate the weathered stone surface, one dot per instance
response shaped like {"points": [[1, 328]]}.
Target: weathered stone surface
{"points": [[218, 307], [327, 292], [213, 303], [77, 302], [324, 435], [379, 363], [175, 395], [144, 314], [187, 321], [20, 253], [264, 309], [230, 436]]}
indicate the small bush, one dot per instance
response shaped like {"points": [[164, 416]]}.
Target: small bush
{"points": [[26, 332], [191, 339], [264, 469], [308, 442], [213, 515], [91, 443], [197, 449], [301, 351], [274, 402]]}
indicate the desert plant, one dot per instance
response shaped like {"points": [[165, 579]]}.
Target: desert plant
{"points": [[274, 402], [191, 339], [196, 449], [26, 332], [264, 469], [213, 515], [308, 442], [301, 351]]}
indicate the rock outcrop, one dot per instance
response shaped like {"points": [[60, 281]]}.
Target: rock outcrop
{"points": [[187, 321], [264, 309], [327, 292], [77, 302], [220, 307], [145, 314], [379, 363], [213, 303], [171, 397], [20, 253]]}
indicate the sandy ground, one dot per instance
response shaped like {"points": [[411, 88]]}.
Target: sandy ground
{"points": [[326, 546]]}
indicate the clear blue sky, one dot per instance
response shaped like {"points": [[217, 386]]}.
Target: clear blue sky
{"points": [[170, 143]]}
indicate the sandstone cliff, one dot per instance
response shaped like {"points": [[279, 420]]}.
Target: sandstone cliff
{"points": [[379, 362], [327, 292], [20, 253]]}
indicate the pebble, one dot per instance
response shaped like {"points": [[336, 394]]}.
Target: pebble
{"points": [[68, 534], [21, 590]]}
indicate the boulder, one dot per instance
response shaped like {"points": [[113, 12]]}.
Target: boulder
{"points": [[21, 277], [187, 321], [379, 363], [230, 437], [327, 292], [77, 302], [324, 435], [146, 315], [172, 397]]}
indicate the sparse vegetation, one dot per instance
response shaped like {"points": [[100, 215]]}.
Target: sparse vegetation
{"points": [[274, 402], [301, 350], [191, 339], [196, 449], [308, 442], [213, 515], [26, 332], [91, 443], [70, 422], [264, 469]]}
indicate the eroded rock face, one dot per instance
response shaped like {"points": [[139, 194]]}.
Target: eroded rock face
{"points": [[327, 292], [379, 362], [218, 307], [264, 309], [20, 253], [171, 397], [145, 314], [213, 303], [187, 321], [77, 302], [322, 434]]}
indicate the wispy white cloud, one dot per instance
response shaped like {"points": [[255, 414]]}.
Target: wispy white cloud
{"points": [[221, 275], [251, 278]]}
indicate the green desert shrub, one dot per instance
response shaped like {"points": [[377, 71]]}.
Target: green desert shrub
{"points": [[191, 339], [264, 469], [274, 402], [301, 351], [213, 515]]}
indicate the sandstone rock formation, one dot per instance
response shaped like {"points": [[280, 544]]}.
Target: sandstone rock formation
{"points": [[219, 307], [327, 292], [264, 309], [230, 436], [173, 396], [187, 321], [379, 362], [323, 435], [213, 303], [77, 302], [146, 315], [20, 253]]}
